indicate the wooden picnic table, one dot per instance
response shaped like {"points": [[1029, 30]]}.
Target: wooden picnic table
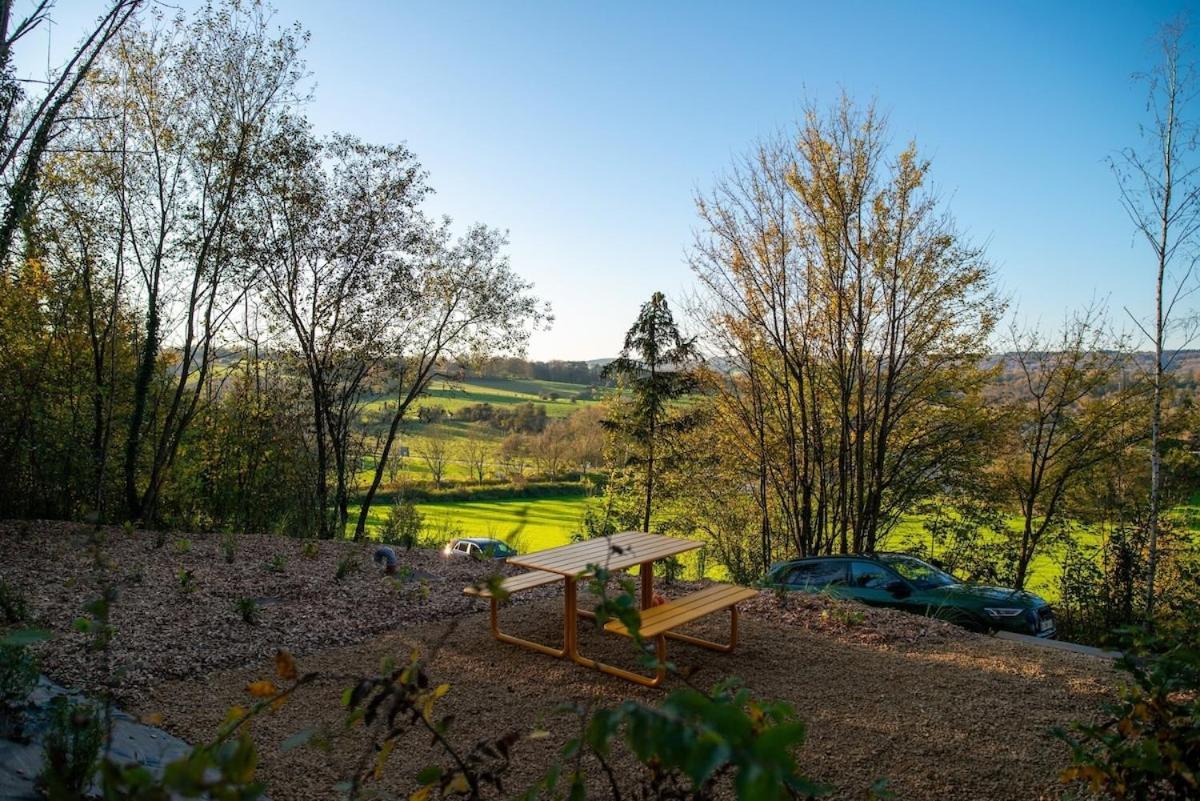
{"points": [[569, 563], [627, 549]]}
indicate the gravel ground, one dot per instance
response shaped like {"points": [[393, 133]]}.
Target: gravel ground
{"points": [[940, 712]]}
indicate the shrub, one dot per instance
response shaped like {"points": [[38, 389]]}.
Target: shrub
{"points": [[346, 565], [229, 547], [137, 575], [431, 414], [403, 523], [1149, 747], [528, 418], [277, 564], [72, 748], [497, 491], [672, 569], [183, 545], [18, 675], [13, 609], [310, 550], [247, 608], [186, 580], [845, 614]]}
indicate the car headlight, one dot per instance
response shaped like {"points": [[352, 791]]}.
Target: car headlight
{"points": [[1002, 611]]}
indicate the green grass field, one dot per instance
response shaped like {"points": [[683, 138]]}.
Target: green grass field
{"points": [[528, 524], [531, 524], [504, 393]]}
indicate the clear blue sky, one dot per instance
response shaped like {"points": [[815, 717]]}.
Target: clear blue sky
{"points": [[584, 129]]}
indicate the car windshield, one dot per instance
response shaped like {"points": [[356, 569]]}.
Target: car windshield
{"points": [[920, 574]]}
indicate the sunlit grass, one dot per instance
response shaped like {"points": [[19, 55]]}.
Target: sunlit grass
{"points": [[528, 524]]}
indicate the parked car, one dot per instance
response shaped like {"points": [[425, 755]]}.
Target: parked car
{"points": [[901, 581], [479, 548]]}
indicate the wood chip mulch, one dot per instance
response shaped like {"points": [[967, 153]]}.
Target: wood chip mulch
{"points": [[852, 622], [166, 630], [966, 720], [941, 713]]}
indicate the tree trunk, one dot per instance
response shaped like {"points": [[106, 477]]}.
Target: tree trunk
{"points": [[322, 467], [650, 462], [1156, 411], [1155, 430], [360, 528], [141, 390]]}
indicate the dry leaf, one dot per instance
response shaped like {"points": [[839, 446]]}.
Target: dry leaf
{"points": [[285, 666]]}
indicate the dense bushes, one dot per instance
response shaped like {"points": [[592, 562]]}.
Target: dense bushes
{"points": [[244, 464], [498, 491], [1149, 745], [524, 418], [18, 674]]}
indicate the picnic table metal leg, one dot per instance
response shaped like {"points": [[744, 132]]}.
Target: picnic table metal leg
{"points": [[570, 627], [508, 638], [724, 648], [660, 670], [660, 641]]}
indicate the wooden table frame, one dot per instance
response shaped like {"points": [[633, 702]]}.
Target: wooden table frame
{"points": [[624, 550]]}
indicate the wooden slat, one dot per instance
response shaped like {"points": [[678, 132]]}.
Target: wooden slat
{"points": [[637, 547], [521, 581], [659, 619], [577, 553]]}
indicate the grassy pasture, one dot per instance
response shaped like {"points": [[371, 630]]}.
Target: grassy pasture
{"points": [[536, 523], [502, 393], [529, 524], [453, 396]]}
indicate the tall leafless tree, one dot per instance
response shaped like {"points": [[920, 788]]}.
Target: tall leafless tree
{"points": [[1160, 189], [1063, 419], [463, 303]]}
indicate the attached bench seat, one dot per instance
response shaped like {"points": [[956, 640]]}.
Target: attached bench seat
{"points": [[658, 623], [517, 583], [521, 581], [664, 617]]}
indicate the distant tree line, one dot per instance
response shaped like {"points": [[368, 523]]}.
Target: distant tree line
{"points": [[567, 372], [525, 418]]}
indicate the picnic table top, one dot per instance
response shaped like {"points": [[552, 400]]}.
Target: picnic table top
{"points": [[622, 550]]}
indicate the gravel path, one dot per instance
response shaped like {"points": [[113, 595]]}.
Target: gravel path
{"points": [[941, 713]]}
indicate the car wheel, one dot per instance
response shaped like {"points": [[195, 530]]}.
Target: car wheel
{"points": [[963, 620]]}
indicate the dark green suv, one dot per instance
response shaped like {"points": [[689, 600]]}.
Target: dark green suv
{"points": [[904, 582]]}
